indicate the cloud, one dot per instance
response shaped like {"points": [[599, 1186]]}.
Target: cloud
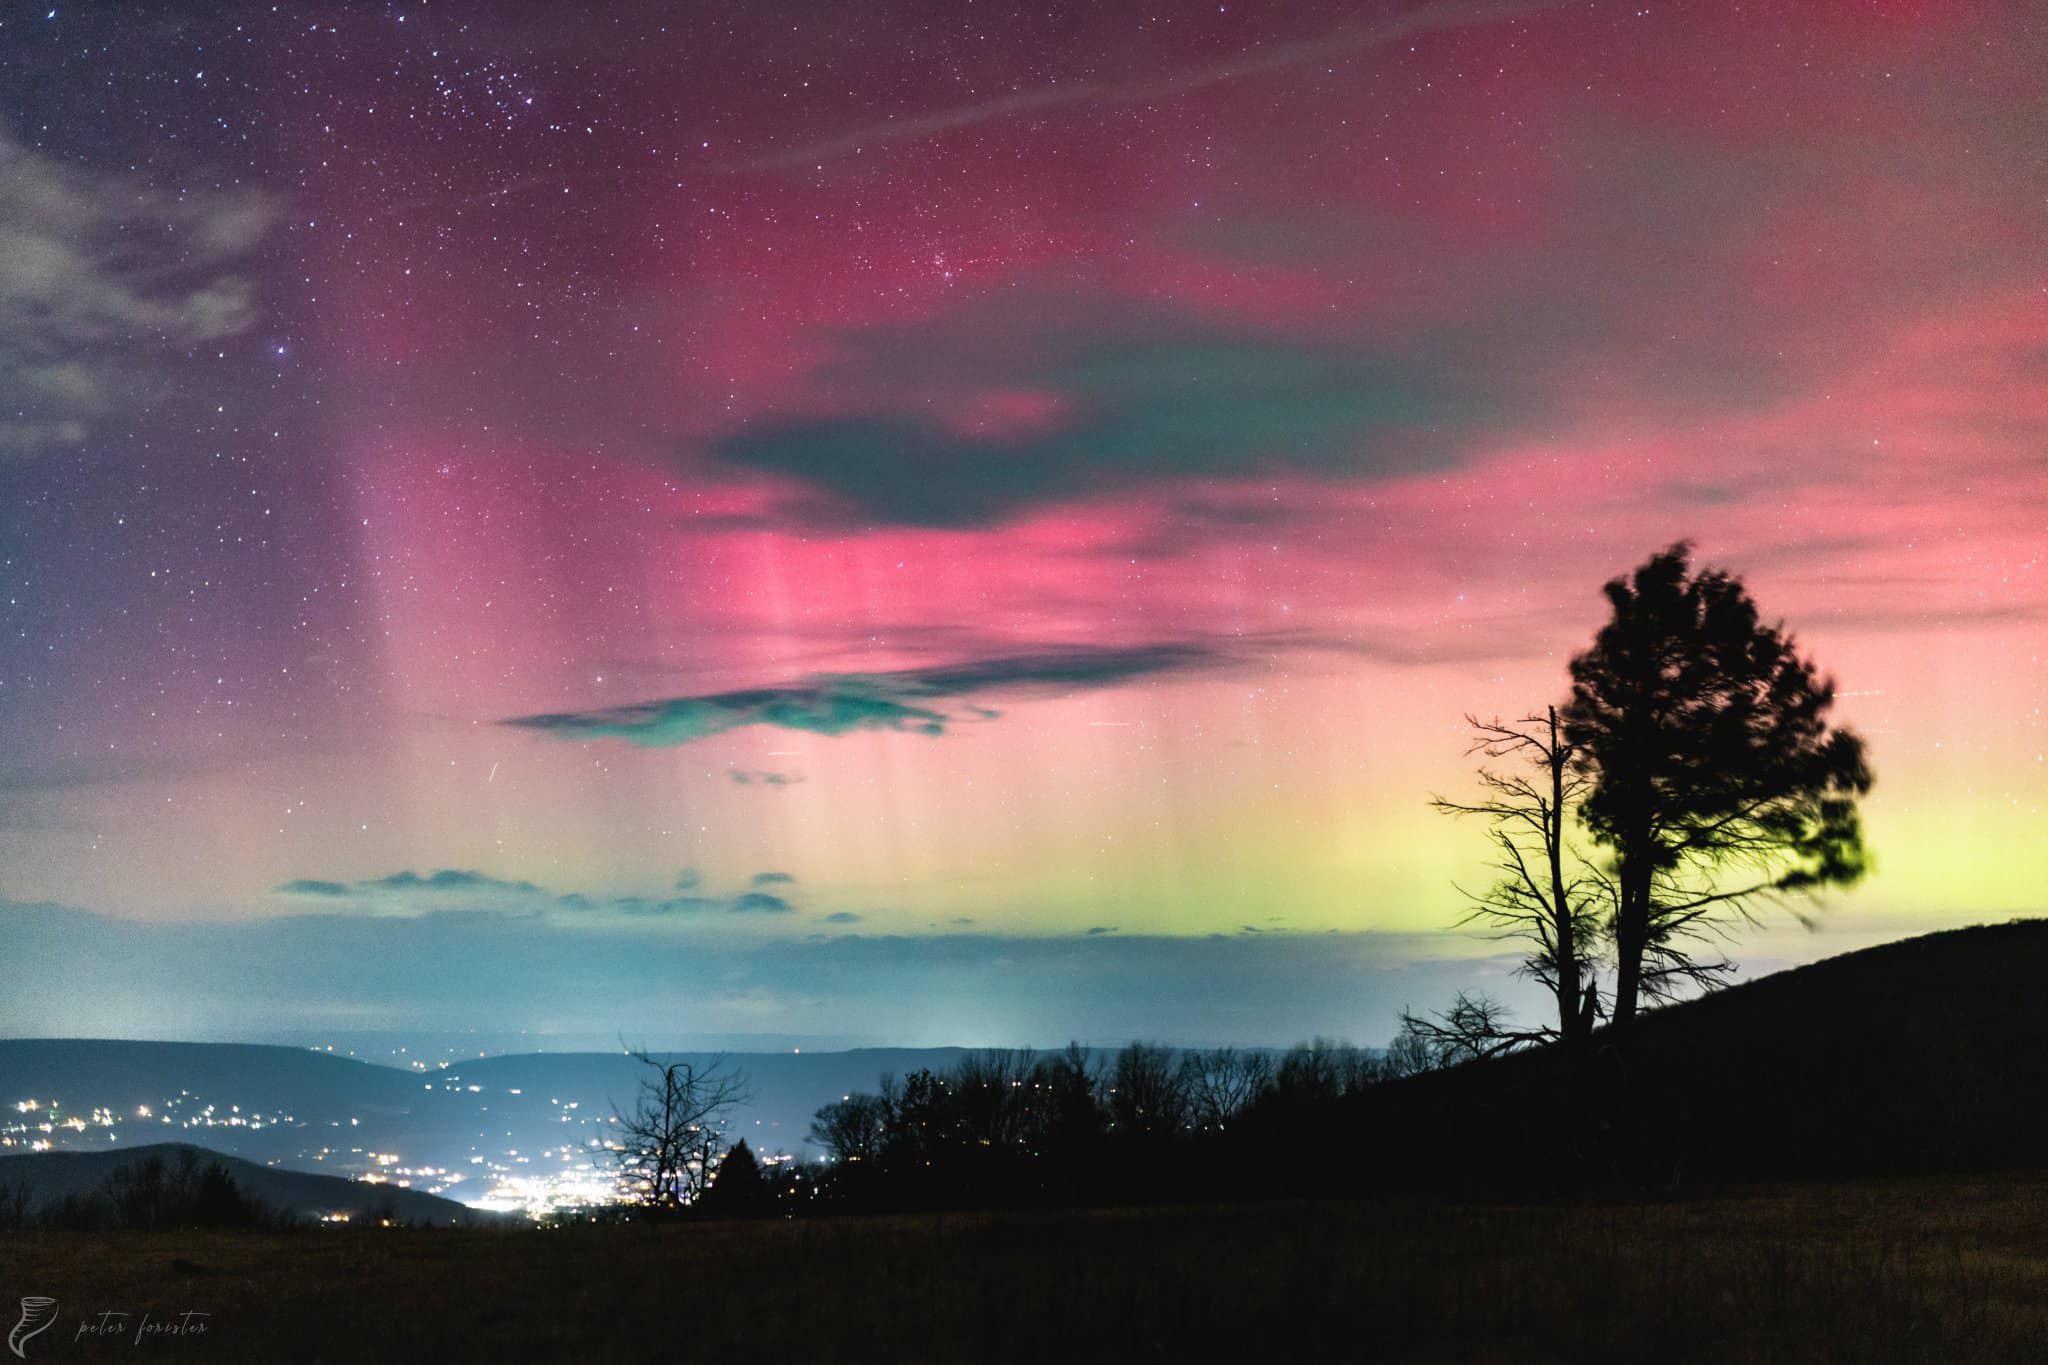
{"points": [[447, 879], [842, 917], [647, 905], [906, 700], [1652, 291], [441, 881], [411, 893], [310, 886], [1099, 930], [833, 706], [981, 416], [748, 777], [745, 903], [103, 279]]}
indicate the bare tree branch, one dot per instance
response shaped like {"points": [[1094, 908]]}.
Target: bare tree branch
{"points": [[668, 1146]]}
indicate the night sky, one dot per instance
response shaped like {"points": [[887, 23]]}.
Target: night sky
{"points": [[959, 522]]}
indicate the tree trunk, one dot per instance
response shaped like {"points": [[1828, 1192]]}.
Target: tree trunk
{"points": [[1568, 1022], [1631, 932]]}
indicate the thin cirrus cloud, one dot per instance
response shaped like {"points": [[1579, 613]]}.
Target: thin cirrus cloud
{"points": [[810, 154], [904, 700], [1336, 45]]}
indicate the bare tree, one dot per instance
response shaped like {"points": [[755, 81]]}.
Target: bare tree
{"points": [[852, 1128], [1146, 1100], [992, 1095], [1068, 1084], [1218, 1084], [16, 1203], [1474, 1028], [1409, 1054], [1323, 1070], [669, 1145], [1545, 895]]}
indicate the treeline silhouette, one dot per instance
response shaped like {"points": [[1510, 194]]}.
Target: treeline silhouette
{"points": [[1011, 1128], [149, 1195]]}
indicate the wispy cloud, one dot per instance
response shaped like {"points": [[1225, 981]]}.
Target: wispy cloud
{"points": [[748, 777], [88, 303], [904, 700]]}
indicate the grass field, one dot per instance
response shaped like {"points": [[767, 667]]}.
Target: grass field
{"points": [[1942, 1272]]}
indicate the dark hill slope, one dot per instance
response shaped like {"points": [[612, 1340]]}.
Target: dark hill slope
{"points": [[1922, 1056], [49, 1177]]}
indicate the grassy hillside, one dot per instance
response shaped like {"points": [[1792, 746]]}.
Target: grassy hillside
{"points": [[1923, 1056]]}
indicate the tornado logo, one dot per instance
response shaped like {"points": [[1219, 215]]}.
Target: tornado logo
{"points": [[37, 1313]]}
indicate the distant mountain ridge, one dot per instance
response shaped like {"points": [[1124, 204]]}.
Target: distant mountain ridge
{"points": [[128, 1072]]}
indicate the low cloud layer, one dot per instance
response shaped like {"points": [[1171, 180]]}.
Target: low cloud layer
{"points": [[473, 970], [408, 893], [443, 882]]}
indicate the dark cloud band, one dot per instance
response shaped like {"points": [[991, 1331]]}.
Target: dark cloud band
{"points": [[1133, 397], [906, 700]]}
